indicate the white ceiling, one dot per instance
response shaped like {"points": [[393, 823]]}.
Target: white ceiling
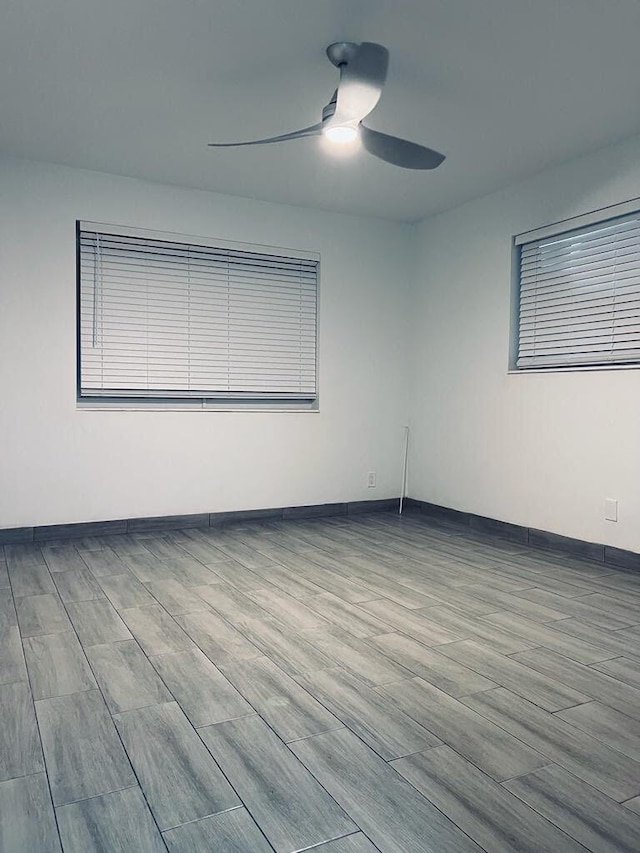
{"points": [[138, 87]]}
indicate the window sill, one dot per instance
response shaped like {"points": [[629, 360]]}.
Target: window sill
{"points": [[576, 368], [98, 405]]}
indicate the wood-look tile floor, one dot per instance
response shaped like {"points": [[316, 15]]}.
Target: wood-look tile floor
{"points": [[341, 685]]}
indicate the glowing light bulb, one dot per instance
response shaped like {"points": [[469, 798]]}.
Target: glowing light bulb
{"points": [[341, 133]]}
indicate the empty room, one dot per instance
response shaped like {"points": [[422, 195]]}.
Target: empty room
{"points": [[320, 426]]}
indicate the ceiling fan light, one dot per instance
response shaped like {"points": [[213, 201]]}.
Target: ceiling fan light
{"points": [[341, 133]]}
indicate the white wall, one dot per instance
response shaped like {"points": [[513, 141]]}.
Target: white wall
{"points": [[535, 449], [61, 464], [541, 450]]}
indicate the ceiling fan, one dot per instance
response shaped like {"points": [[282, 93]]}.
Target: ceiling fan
{"points": [[363, 71]]}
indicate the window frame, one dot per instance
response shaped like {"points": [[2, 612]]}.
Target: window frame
{"points": [[600, 216], [246, 402]]}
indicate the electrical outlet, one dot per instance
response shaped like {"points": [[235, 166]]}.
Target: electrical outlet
{"points": [[371, 479], [610, 509]]}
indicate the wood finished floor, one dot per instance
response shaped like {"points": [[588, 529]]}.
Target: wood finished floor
{"points": [[343, 685]]}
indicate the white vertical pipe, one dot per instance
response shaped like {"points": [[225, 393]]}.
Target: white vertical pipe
{"points": [[405, 463]]}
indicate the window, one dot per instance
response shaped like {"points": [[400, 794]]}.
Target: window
{"points": [[167, 318], [579, 293]]}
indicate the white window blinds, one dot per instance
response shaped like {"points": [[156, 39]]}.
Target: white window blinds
{"points": [[166, 319], [580, 296]]}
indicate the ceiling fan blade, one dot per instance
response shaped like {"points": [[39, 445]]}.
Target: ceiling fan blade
{"points": [[313, 130], [362, 77], [399, 152]]}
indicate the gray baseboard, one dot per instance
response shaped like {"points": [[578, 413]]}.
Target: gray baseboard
{"points": [[607, 555], [11, 535], [617, 558]]}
